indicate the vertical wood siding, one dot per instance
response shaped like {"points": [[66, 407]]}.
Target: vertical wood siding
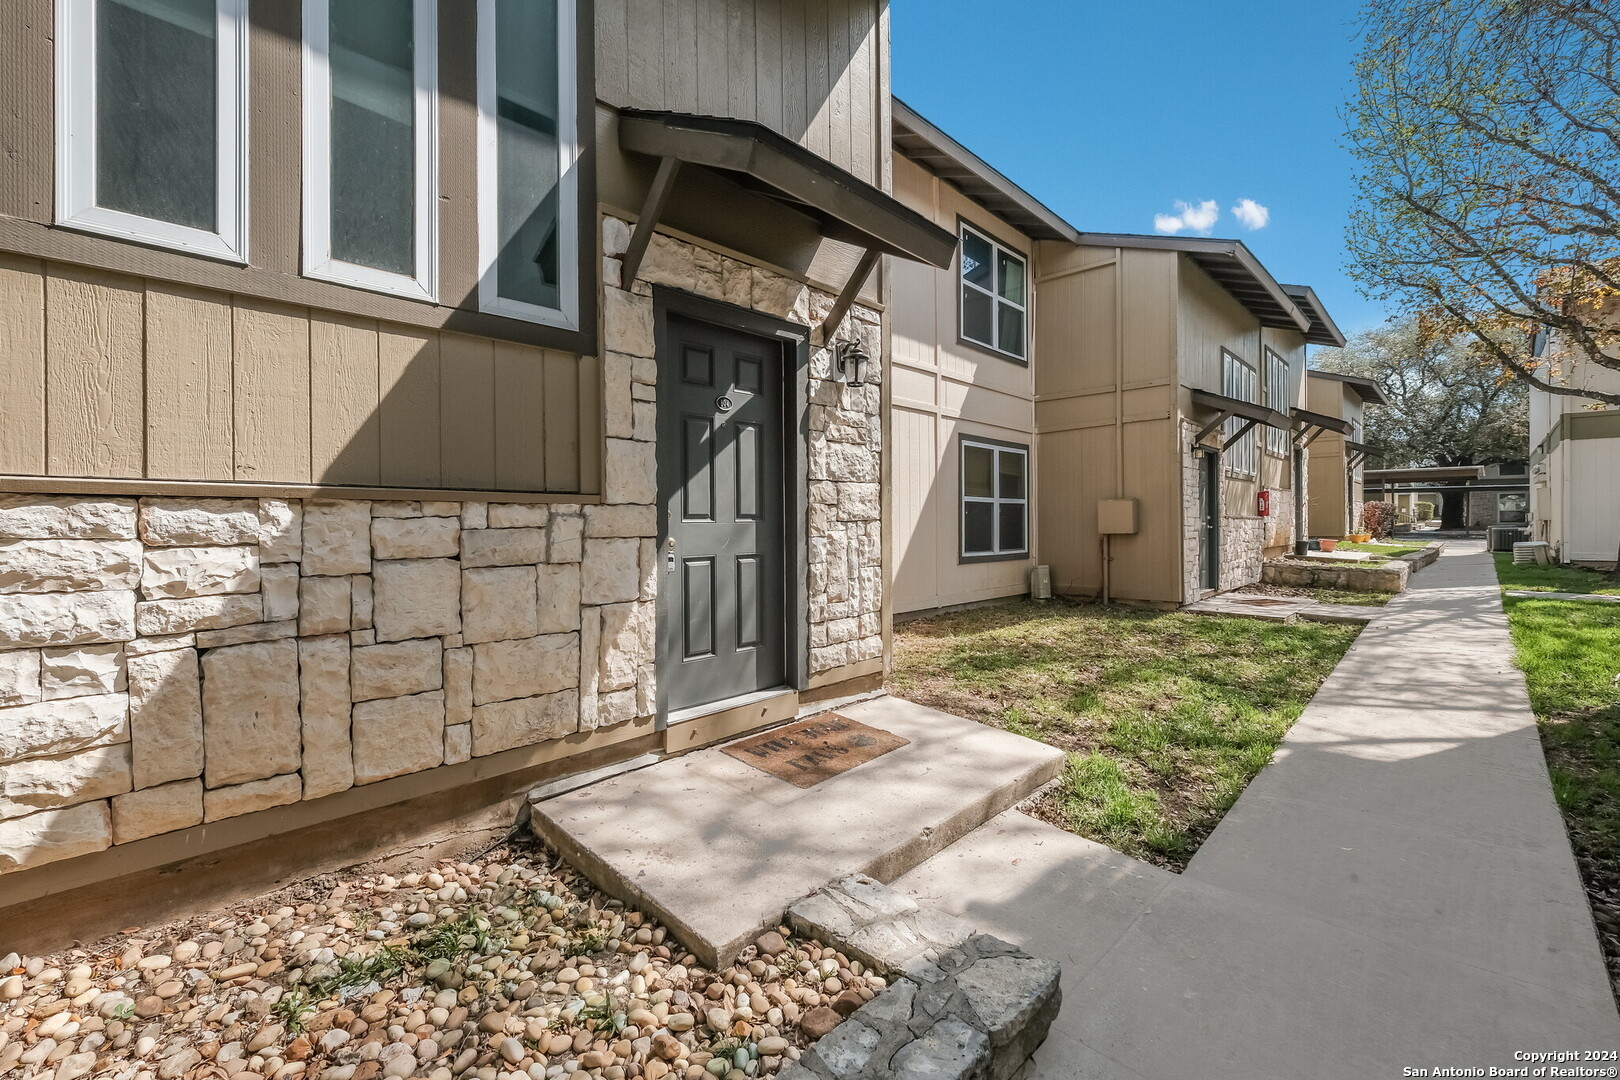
{"points": [[810, 69], [105, 375]]}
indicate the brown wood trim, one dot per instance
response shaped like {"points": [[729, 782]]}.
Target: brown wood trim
{"points": [[67, 485], [866, 684], [847, 672], [727, 723], [217, 836]]}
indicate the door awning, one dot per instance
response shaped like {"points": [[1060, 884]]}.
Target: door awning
{"points": [[845, 207], [1228, 407], [1309, 425]]}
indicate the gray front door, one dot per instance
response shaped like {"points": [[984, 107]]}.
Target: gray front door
{"points": [[722, 598], [1209, 505]]}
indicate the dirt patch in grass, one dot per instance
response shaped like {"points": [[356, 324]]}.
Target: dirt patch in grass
{"points": [[1165, 717]]}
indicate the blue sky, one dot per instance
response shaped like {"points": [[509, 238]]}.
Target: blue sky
{"points": [[1110, 112]]}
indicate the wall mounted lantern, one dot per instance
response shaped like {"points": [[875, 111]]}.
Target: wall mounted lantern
{"points": [[851, 361]]}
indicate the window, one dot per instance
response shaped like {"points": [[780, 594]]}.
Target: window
{"points": [[995, 500], [370, 137], [528, 152], [1238, 381], [995, 290], [1277, 397], [1512, 509], [151, 139]]}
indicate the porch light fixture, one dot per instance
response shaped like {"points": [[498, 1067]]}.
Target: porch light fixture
{"points": [[851, 360]]}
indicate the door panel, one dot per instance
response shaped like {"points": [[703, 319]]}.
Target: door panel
{"points": [[1209, 501], [722, 610]]}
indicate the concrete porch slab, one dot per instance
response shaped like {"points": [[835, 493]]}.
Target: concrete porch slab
{"points": [[718, 849]]}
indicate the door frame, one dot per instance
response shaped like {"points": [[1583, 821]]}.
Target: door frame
{"points": [[795, 375], [1209, 520]]}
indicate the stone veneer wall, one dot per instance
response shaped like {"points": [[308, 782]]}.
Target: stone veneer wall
{"points": [[1244, 538], [166, 662]]}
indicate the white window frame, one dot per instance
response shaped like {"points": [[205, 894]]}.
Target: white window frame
{"points": [[76, 139], [318, 260], [1278, 372], [569, 151], [996, 299], [996, 502], [1241, 458]]}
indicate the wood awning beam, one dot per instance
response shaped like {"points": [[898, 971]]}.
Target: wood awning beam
{"points": [[1248, 425], [1204, 432], [828, 330], [652, 210]]}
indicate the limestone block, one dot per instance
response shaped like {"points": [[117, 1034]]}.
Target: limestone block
{"points": [[615, 708], [648, 558], [441, 509], [81, 670], [157, 810], [397, 736], [145, 646], [19, 677], [668, 262], [518, 515], [615, 236], [506, 725], [567, 538], [527, 668], [474, 515], [66, 517], [415, 538], [239, 635], [279, 584], [53, 835], [325, 605], [361, 601], [503, 547], [384, 508], [710, 273], [499, 603], [621, 521], [337, 538], [644, 421], [51, 782], [183, 522], [458, 686], [616, 399], [51, 566], [627, 643], [590, 645], [362, 637], [629, 472], [228, 802], [154, 617], [323, 684], [457, 744], [281, 531], [62, 727], [416, 598], [199, 571], [165, 717], [611, 572], [251, 728], [396, 669], [627, 321], [780, 296], [33, 620]]}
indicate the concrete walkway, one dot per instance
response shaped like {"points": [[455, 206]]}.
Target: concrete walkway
{"points": [[1396, 891]]}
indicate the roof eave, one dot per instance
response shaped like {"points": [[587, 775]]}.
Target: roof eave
{"points": [[1264, 298]]}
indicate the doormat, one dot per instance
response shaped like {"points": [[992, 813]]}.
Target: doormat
{"points": [[810, 751]]}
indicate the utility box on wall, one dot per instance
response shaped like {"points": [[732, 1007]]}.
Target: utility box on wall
{"points": [[1116, 517]]}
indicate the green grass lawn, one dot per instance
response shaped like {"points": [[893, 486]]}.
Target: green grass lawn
{"points": [[1390, 551], [1570, 653], [1358, 599], [1165, 717]]}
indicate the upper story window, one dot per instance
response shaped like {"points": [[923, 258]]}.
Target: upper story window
{"points": [[995, 499], [370, 138], [528, 155], [151, 122], [994, 294], [1238, 381], [1277, 397]]}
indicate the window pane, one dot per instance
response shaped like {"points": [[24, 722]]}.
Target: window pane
{"points": [[373, 134], [1010, 277], [526, 87], [978, 523], [1010, 330], [1012, 527], [156, 97], [1012, 475], [977, 316], [978, 471], [976, 265]]}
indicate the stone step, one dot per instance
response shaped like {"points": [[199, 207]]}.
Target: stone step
{"points": [[718, 849]]}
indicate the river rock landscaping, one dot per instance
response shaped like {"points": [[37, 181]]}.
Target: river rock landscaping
{"points": [[495, 967]]}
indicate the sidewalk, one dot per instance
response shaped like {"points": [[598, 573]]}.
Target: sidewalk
{"points": [[1396, 891]]}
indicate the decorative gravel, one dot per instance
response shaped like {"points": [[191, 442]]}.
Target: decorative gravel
{"points": [[503, 966]]}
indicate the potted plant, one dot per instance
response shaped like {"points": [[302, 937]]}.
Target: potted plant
{"points": [[1328, 545]]}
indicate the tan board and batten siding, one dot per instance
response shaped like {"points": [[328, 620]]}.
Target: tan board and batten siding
{"points": [[943, 389], [122, 377]]}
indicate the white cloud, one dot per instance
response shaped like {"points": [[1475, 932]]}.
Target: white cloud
{"points": [[1198, 219], [1251, 214]]}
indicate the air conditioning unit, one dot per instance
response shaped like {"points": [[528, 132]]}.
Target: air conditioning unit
{"points": [[1040, 583]]}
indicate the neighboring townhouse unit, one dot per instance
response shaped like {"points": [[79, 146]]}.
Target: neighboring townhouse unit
{"points": [[963, 378], [1575, 458], [1337, 459], [406, 403]]}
